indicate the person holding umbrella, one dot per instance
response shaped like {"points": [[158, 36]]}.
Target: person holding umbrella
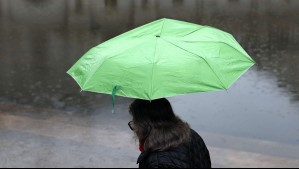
{"points": [[165, 140], [162, 59]]}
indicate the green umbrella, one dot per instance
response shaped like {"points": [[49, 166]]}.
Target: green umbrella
{"points": [[162, 59]]}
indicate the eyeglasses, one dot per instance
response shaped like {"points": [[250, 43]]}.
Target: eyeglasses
{"points": [[131, 125]]}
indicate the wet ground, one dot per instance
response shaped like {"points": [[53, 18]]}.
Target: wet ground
{"points": [[43, 113]]}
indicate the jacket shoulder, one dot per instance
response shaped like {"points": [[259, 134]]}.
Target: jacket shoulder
{"points": [[199, 152], [165, 159], [194, 154]]}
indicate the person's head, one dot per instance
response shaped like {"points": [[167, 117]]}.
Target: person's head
{"points": [[156, 125]]}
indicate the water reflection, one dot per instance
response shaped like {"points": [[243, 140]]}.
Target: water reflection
{"points": [[110, 3], [37, 3], [178, 2], [145, 4], [40, 40]]}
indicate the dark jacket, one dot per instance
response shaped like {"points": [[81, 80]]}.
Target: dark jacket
{"points": [[192, 155]]}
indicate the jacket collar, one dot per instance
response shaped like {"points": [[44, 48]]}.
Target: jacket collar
{"points": [[142, 156]]}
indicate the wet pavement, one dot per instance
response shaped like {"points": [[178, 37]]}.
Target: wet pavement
{"points": [[45, 117], [39, 137]]}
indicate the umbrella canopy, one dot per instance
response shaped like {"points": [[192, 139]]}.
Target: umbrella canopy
{"points": [[162, 59]]}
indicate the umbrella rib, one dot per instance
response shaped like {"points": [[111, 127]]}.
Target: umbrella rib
{"points": [[155, 54], [217, 42], [108, 58], [162, 27], [222, 84], [196, 30]]}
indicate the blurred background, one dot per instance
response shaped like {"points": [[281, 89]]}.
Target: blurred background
{"points": [[45, 121]]}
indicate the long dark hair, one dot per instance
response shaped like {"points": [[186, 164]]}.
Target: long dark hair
{"points": [[156, 125]]}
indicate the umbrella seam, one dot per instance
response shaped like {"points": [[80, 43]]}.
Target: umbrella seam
{"points": [[250, 59], [222, 84], [88, 77], [195, 31], [162, 27], [155, 55], [104, 62]]}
